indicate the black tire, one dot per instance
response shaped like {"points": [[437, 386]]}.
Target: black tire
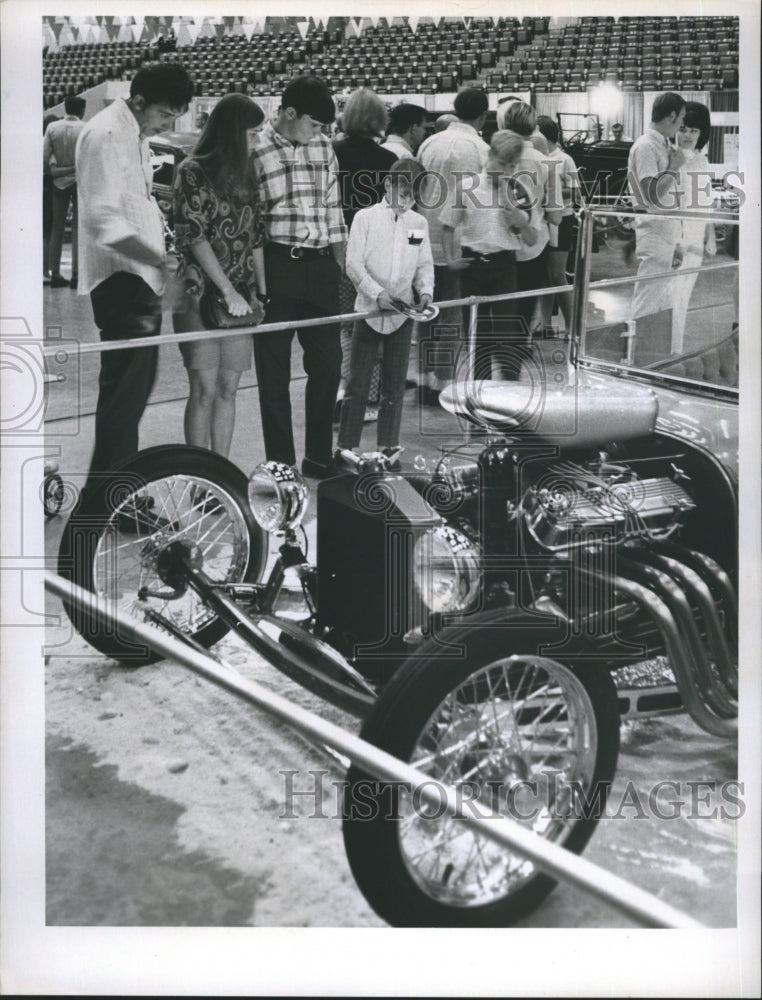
{"points": [[52, 494], [422, 717], [110, 543]]}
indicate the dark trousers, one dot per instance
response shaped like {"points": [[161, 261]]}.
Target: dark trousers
{"points": [[395, 349], [531, 274], [441, 341], [47, 220], [124, 306], [500, 332], [61, 200], [299, 289]]}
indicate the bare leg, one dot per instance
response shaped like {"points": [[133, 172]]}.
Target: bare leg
{"points": [[198, 409], [223, 410]]}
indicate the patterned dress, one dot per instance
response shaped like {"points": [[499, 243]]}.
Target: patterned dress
{"points": [[234, 229]]}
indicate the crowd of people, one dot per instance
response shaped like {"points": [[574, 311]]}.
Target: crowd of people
{"points": [[289, 223]]}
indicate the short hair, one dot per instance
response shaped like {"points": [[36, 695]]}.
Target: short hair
{"points": [[309, 95], [444, 121], [470, 103], [519, 117], [697, 116], [163, 82], [405, 171], [617, 125], [548, 128], [665, 104], [75, 106], [364, 113], [403, 116], [506, 146]]}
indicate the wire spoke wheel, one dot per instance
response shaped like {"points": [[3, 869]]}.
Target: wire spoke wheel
{"points": [[114, 539], [516, 735], [175, 508]]}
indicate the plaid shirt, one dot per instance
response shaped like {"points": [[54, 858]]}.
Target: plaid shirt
{"points": [[299, 190]]}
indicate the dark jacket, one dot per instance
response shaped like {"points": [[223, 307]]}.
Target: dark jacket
{"points": [[363, 165]]}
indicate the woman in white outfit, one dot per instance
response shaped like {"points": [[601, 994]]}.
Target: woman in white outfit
{"points": [[694, 183]]}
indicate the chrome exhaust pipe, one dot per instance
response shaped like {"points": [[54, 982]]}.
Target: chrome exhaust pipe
{"points": [[662, 618], [710, 689], [698, 591]]}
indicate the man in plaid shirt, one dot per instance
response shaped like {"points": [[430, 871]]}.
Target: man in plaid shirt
{"points": [[300, 194]]}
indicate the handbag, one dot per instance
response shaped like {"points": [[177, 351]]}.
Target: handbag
{"points": [[214, 313]]}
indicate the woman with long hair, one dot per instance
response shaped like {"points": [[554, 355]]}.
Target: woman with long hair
{"points": [[219, 235]]}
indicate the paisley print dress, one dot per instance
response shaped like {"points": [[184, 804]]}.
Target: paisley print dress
{"points": [[234, 229]]}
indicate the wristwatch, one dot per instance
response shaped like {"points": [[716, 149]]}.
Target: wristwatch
{"points": [[263, 297]]}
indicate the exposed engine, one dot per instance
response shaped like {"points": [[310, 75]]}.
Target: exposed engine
{"points": [[601, 543], [574, 505]]}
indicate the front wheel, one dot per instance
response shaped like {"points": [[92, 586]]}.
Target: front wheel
{"points": [[526, 736], [113, 540]]}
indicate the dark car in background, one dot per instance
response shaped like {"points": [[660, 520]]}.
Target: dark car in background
{"points": [[168, 150]]}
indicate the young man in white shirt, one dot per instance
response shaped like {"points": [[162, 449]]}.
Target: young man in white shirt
{"points": [[388, 261], [652, 170], [452, 158], [561, 236], [406, 131], [121, 246]]}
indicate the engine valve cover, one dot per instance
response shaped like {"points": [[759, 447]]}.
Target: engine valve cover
{"points": [[564, 515]]}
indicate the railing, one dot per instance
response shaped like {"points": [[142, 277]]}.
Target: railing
{"points": [[633, 902]]}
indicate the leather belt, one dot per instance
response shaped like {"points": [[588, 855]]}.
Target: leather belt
{"points": [[486, 258], [301, 253]]}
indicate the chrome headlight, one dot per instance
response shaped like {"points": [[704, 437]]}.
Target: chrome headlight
{"points": [[446, 569], [278, 496]]}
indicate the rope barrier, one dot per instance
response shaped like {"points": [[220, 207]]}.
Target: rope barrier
{"points": [[50, 350]]}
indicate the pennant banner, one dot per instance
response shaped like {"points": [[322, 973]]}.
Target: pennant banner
{"points": [[191, 30]]}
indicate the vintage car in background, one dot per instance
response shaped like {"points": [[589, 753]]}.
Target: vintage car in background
{"points": [[168, 150], [489, 612]]}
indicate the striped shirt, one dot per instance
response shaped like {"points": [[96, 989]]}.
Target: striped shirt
{"points": [[116, 209], [299, 190]]}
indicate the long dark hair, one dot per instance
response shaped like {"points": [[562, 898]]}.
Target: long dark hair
{"points": [[222, 148]]}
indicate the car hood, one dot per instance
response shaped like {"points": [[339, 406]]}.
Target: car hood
{"points": [[708, 421]]}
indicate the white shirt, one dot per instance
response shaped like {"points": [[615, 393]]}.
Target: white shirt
{"points": [[397, 145], [544, 186], [568, 176], [114, 179], [59, 144], [459, 149], [392, 253], [481, 220], [649, 157]]}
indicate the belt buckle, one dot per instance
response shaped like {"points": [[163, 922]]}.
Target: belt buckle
{"points": [[295, 253]]}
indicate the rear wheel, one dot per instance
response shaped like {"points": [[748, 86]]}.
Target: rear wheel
{"points": [[113, 539], [529, 737]]}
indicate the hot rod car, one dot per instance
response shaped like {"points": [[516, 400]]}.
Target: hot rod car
{"points": [[471, 609]]}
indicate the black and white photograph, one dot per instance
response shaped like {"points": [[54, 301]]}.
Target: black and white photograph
{"points": [[380, 499]]}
